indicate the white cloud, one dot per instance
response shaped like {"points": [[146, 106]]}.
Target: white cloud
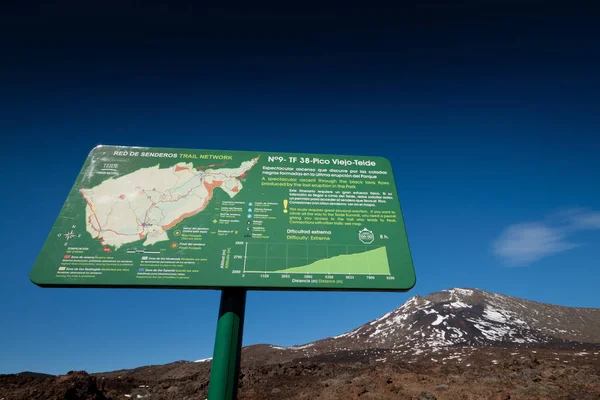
{"points": [[575, 219], [587, 220], [522, 244]]}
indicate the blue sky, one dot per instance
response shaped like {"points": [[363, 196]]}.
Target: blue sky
{"points": [[490, 121]]}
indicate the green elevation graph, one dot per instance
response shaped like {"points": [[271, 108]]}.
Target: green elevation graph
{"points": [[290, 258]]}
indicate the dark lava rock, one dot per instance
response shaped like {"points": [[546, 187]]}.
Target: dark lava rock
{"points": [[427, 396], [442, 386]]}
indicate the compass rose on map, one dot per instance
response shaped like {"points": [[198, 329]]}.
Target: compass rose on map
{"points": [[70, 235]]}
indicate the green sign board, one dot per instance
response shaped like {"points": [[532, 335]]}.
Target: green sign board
{"points": [[176, 218]]}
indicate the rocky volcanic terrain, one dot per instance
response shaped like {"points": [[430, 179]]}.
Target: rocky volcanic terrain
{"points": [[454, 344]]}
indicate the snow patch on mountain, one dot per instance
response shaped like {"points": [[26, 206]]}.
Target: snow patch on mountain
{"points": [[494, 315], [460, 292], [305, 346], [439, 319]]}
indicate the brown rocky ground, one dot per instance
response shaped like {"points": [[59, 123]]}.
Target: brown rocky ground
{"points": [[457, 373]]}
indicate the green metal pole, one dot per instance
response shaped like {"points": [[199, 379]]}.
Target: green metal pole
{"points": [[225, 369]]}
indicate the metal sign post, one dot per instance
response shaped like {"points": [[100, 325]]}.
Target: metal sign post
{"points": [[225, 371]]}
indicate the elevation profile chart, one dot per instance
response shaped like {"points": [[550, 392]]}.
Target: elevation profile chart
{"points": [[295, 258], [189, 218]]}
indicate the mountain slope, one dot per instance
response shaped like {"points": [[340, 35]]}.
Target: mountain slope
{"points": [[458, 343], [459, 317], [475, 317]]}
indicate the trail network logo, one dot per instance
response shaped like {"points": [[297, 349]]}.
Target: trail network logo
{"points": [[366, 236]]}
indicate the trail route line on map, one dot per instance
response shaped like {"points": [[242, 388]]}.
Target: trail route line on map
{"points": [[145, 203]]}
